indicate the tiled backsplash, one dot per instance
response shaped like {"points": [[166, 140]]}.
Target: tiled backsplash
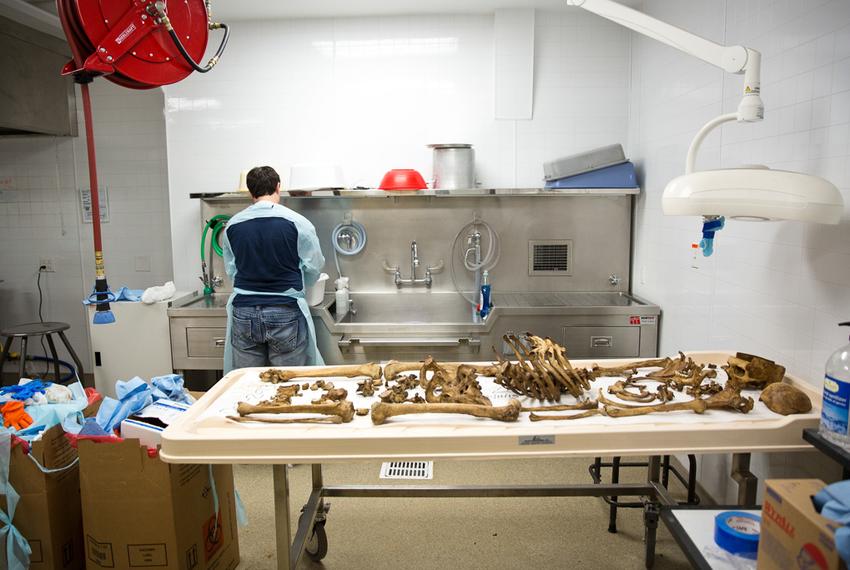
{"points": [[775, 289], [40, 215], [371, 93]]}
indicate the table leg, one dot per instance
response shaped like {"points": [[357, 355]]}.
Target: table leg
{"points": [[56, 375], [281, 515], [612, 508], [651, 510], [7, 346], [74, 357], [747, 482], [22, 371]]}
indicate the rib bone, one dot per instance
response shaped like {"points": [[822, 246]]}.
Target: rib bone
{"points": [[585, 405], [509, 413], [538, 418], [344, 409], [277, 375]]}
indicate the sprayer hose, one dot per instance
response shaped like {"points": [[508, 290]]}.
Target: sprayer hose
{"points": [[216, 224]]}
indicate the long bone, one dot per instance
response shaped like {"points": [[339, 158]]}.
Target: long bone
{"points": [[381, 411], [585, 405], [697, 406], [277, 375], [615, 371], [344, 409], [394, 368], [327, 420], [538, 418]]}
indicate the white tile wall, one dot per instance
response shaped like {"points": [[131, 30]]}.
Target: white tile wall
{"points": [[776, 289], [371, 93], [40, 214]]}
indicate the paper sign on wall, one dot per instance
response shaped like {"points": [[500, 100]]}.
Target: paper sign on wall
{"points": [[85, 204]]}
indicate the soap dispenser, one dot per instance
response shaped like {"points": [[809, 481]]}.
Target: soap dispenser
{"points": [[485, 302], [836, 397]]}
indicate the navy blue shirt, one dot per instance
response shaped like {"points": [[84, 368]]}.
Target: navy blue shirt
{"points": [[266, 255]]}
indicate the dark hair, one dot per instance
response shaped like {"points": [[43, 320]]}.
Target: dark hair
{"points": [[262, 181]]}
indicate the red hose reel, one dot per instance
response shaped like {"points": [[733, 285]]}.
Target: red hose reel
{"points": [[139, 44]]}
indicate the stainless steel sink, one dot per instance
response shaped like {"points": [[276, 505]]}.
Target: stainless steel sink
{"points": [[424, 308]]}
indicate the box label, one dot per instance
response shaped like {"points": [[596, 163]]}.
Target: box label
{"points": [[537, 440], [836, 400], [147, 555], [100, 553], [212, 535]]}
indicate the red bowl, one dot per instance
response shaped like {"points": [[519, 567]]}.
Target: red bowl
{"points": [[403, 179]]}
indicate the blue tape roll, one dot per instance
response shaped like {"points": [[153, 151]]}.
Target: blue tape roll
{"points": [[738, 533]]}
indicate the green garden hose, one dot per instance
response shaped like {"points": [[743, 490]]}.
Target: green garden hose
{"points": [[216, 224]]}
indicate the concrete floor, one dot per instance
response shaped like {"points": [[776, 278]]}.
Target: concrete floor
{"points": [[448, 534]]}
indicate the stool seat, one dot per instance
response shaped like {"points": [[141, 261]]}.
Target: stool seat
{"points": [[35, 329], [38, 330]]}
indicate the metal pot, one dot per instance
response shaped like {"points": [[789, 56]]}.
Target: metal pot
{"points": [[454, 166]]}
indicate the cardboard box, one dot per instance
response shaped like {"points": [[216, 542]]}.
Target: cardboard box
{"points": [[793, 534], [139, 511], [48, 515], [147, 425]]}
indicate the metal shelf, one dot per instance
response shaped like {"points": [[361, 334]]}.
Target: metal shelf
{"points": [[834, 452], [465, 193]]}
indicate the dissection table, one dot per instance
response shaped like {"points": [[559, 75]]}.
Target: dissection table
{"points": [[205, 435]]}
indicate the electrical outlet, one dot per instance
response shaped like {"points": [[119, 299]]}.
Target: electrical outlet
{"points": [[47, 263]]}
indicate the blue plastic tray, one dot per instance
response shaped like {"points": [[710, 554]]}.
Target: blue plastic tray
{"points": [[617, 176]]}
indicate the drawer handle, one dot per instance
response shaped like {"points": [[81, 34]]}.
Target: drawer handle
{"points": [[348, 342], [601, 341], [219, 342]]}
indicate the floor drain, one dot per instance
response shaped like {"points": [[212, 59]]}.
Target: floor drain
{"points": [[408, 470]]}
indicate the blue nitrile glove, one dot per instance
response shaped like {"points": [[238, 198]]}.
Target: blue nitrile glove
{"points": [[709, 228], [170, 387], [25, 391], [133, 395], [833, 502]]}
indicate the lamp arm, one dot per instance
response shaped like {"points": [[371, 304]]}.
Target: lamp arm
{"points": [[690, 165], [732, 59]]}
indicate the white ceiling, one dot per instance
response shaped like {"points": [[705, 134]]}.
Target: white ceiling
{"points": [[255, 9]]}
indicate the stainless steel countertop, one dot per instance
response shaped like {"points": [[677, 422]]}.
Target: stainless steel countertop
{"points": [[448, 311]]}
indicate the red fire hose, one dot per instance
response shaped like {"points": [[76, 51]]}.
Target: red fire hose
{"points": [[139, 44]]}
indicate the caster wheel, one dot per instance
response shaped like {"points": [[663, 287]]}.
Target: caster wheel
{"points": [[317, 543]]}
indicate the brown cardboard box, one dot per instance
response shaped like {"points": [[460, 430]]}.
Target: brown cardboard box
{"points": [[793, 534], [139, 511], [49, 514]]}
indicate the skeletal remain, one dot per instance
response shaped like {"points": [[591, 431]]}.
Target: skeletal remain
{"points": [[344, 409], [785, 399], [316, 385], [692, 378], [583, 405], [730, 397], [620, 389], [542, 370], [327, 420], [754, 371], [509, 413], [283, 396], [395, 395], [367, 387], [305, 385], [276, 375], [408, 382], [362, 411], [706, 389], [445, 387], [663, 394], [682, 366], [538, 418], [332, 395], [394, 368], [615, 371], [698, 406]]}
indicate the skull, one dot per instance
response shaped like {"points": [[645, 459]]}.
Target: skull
{"points": [[753, 372]]}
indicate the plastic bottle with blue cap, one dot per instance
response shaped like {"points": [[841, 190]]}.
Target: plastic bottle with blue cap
{"points": [[836, 397]]}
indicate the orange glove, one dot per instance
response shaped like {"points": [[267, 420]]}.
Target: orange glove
{"points": [[15, 416]]}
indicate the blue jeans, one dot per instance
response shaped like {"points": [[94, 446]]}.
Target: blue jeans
{"points": [[263, 336]]}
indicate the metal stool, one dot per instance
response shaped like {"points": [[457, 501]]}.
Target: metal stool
{"points": [[36, 330]]}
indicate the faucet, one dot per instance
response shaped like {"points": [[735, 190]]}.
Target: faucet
{"points": [[400, 281]]}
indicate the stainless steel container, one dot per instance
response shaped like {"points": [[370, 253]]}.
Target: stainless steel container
{"points": [[454, 166]]}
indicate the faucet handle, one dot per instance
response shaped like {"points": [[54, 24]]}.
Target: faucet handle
{"points": [[436, 268], [389, 268]]}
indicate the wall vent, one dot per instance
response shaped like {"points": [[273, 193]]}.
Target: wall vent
{"points": [[408, 470], [550, 257]]}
